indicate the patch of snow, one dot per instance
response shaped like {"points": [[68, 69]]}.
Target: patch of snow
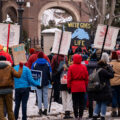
{"points": [[52, 30]]}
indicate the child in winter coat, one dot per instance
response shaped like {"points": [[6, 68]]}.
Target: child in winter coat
{"points": [[66, 94]]}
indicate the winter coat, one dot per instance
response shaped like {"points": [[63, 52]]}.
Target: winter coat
{"points": [[7, 74], [116, 67], [44, 66], [56, 61], [33, 58], [77, 78], [26, 79], [8, 57], [105, 75]]}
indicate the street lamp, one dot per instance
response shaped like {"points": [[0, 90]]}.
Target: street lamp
{"points": [[20, 14]]}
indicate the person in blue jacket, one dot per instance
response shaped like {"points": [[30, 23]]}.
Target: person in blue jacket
{"points": [[43, 65], [22, 86]]}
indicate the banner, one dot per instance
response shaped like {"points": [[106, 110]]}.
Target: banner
{"points": [[80, 34], [65, 43], [18, 52], [13, 36], [111, 37]]}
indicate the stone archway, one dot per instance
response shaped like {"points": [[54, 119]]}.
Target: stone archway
{"points": [[10, 8], [66, 6]]}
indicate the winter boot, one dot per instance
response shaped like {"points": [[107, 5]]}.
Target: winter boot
{"points": [[65, 117], [95, 117], [102, 118], [45, 112], [114, 113], [40, 112], [118, 112]]}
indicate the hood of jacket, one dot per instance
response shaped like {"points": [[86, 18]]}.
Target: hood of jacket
{"points": [[41, 61], [77, 59], [4, 64]]}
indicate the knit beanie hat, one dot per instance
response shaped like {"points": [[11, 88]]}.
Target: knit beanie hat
{"points": [[31, 50], [105, 57], [40, 55]]}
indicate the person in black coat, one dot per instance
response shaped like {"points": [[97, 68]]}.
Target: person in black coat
{"points": [[103, 96], [91, 66]]}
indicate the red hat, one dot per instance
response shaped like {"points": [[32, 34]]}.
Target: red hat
{"points": [[31, 50], [40, 55]]}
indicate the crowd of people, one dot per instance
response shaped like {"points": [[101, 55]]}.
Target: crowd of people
{"points": [[70, 77]]}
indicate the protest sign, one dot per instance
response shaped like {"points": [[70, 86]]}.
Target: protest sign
{"points": [[11, 32], [37, 76], [80, 34], [19, 54], [65, 43], [111, 37]]}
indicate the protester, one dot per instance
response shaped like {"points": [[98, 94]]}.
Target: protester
{"points": [[43, 65], [7, 55], [115, 83], [77, 82], [57, 67], [22, 87], [33, 57], [6, 87], [103, 96], [91, 66], [66, 94]]}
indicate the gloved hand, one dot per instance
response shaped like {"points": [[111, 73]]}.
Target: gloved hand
{"points": [[21, 64], [39, 87], [69, 90]]}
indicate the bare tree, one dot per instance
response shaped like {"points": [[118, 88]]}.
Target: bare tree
{"points": [[101, 11]]}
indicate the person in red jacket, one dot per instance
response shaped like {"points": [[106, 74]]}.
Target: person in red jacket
{"points": [[6, 55], [34, 56], [77, 81]]}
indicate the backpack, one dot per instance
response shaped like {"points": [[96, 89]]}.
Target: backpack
{"points": [[94, 84]]}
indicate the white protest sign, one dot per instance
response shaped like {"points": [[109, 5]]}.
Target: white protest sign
{"points": [[111, 37], [65, 43], [14, 34]]}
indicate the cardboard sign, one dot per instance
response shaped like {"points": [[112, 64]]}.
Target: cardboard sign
{"points": [[65, 43], [80, 34], [19, 54], [13, 36], [110, 41]]}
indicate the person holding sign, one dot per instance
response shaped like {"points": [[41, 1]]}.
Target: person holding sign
{"points": [[22, 87], [43, 65], [7, 73]]}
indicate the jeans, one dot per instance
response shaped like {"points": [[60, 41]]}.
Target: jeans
{"points": [[100, 108], [42, 92], [21, 95], [116, 96]]}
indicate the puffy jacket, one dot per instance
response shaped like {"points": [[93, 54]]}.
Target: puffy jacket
{"points": [[116, 67], [44, 66], [77, 77], [6, 76], [8, 57], [26, 79], [33, 58]]}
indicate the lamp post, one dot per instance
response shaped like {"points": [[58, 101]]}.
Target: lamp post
{"points": [[20, 14]]}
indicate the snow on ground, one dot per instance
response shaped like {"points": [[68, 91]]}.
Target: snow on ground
{"points": [[56, 112]]}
